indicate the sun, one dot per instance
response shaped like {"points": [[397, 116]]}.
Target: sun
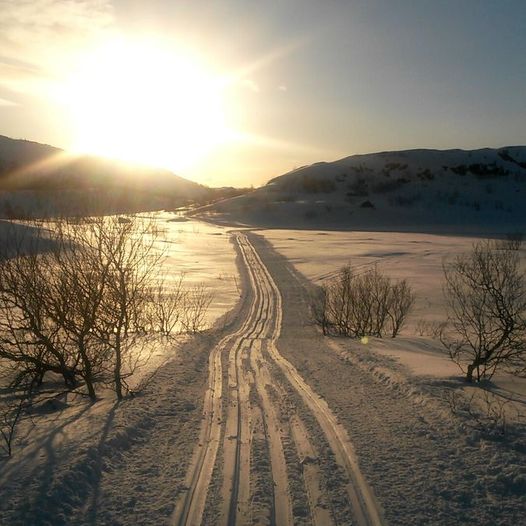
{"points": [[143, 102]]}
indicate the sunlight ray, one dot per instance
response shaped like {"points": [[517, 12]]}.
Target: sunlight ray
{"points": [[39, 168]]}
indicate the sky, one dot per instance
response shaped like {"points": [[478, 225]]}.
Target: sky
{"points": [[235, 92]]}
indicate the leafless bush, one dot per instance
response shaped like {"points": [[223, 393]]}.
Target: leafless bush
{"points": [[486, 297], [30, 334], [75, 307], [362, 304], [167, 304], [484, 411], [198, 300], [400, 300], [432, 329], [422, 327]]}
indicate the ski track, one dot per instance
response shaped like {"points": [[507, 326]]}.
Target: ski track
{"points": [[269, 449], [251, 401]]}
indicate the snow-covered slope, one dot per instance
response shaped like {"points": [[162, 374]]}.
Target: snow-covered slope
{"points": [[450, 190], [36, 176]]}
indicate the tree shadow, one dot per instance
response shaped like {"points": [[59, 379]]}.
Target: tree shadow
{"points": [[93, 504], [65, 490]]}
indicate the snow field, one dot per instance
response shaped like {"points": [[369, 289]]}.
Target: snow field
{"points": [[124, 463], [426, 462]]}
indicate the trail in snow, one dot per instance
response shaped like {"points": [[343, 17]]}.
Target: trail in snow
{"points": [[427, 465], [256, 374]]}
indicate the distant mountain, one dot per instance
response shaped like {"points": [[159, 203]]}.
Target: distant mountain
{"points": [[37, 179], [415, 190]]}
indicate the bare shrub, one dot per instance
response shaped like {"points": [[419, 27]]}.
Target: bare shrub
{"points": [[75, 306], [422, 327], [400, 304], [486, 298], [484, 411], [318, 303], [356, 305], [167, 304], [31, 338], [514, 240], [198, 300], [432, 329], [126, 250]]}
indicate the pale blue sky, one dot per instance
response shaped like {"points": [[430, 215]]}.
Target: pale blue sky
{"points": [[317, 80]]}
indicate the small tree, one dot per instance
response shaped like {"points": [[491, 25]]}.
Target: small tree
{"points": [[400, 304], [166, 306], [126, 259], [362, 304], [485, 293], [196, 305], [73, 297], [30, 338]]}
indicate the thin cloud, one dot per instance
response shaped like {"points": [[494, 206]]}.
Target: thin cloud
{"points": [[18, 76], [251, 85], [37, 35], [22, 18], [4, 102]]}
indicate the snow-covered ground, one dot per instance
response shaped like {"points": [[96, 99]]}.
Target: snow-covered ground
{"points": [[203, 254], [55, 474], [402, 402], [439, 191], [406, 409], [418, 258]]}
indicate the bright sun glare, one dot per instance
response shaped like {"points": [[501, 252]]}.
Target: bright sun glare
{"points": [[140, 102]]}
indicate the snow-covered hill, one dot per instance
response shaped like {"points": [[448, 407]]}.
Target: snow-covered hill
{"points": [[415, 190], [36, 177]]}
